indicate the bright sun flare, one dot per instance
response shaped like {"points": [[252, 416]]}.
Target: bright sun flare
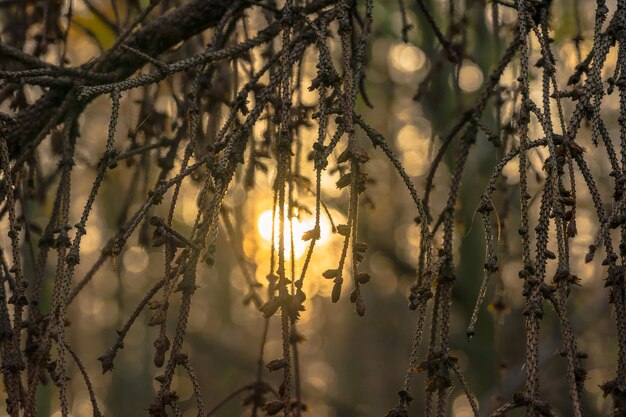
{"points": [[307, 222]]}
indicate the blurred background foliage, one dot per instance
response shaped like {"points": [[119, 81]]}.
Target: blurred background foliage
{"points": [[351, 366]]}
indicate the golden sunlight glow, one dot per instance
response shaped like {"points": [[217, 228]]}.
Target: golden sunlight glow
{"points": [[415, 149], [406, 58], [470, 77], [304, 224]]}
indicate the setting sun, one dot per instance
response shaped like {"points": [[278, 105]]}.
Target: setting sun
{"points": [[305, 223]]}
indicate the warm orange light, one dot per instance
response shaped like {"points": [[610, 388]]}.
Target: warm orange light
{"points": [[305, 223]]}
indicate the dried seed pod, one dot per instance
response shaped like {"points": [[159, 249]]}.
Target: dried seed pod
{"points": [[159, 317], [311, 234], [471, 330], [571, 229], [360, 246], [360, 306], [343, 229], [161, 345], [491, 265], [336, 293], [344, 181], [344, 156], [359, 154], [363, 277], [276, 364], [273, 407], [330, 273], [270, 307]]}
